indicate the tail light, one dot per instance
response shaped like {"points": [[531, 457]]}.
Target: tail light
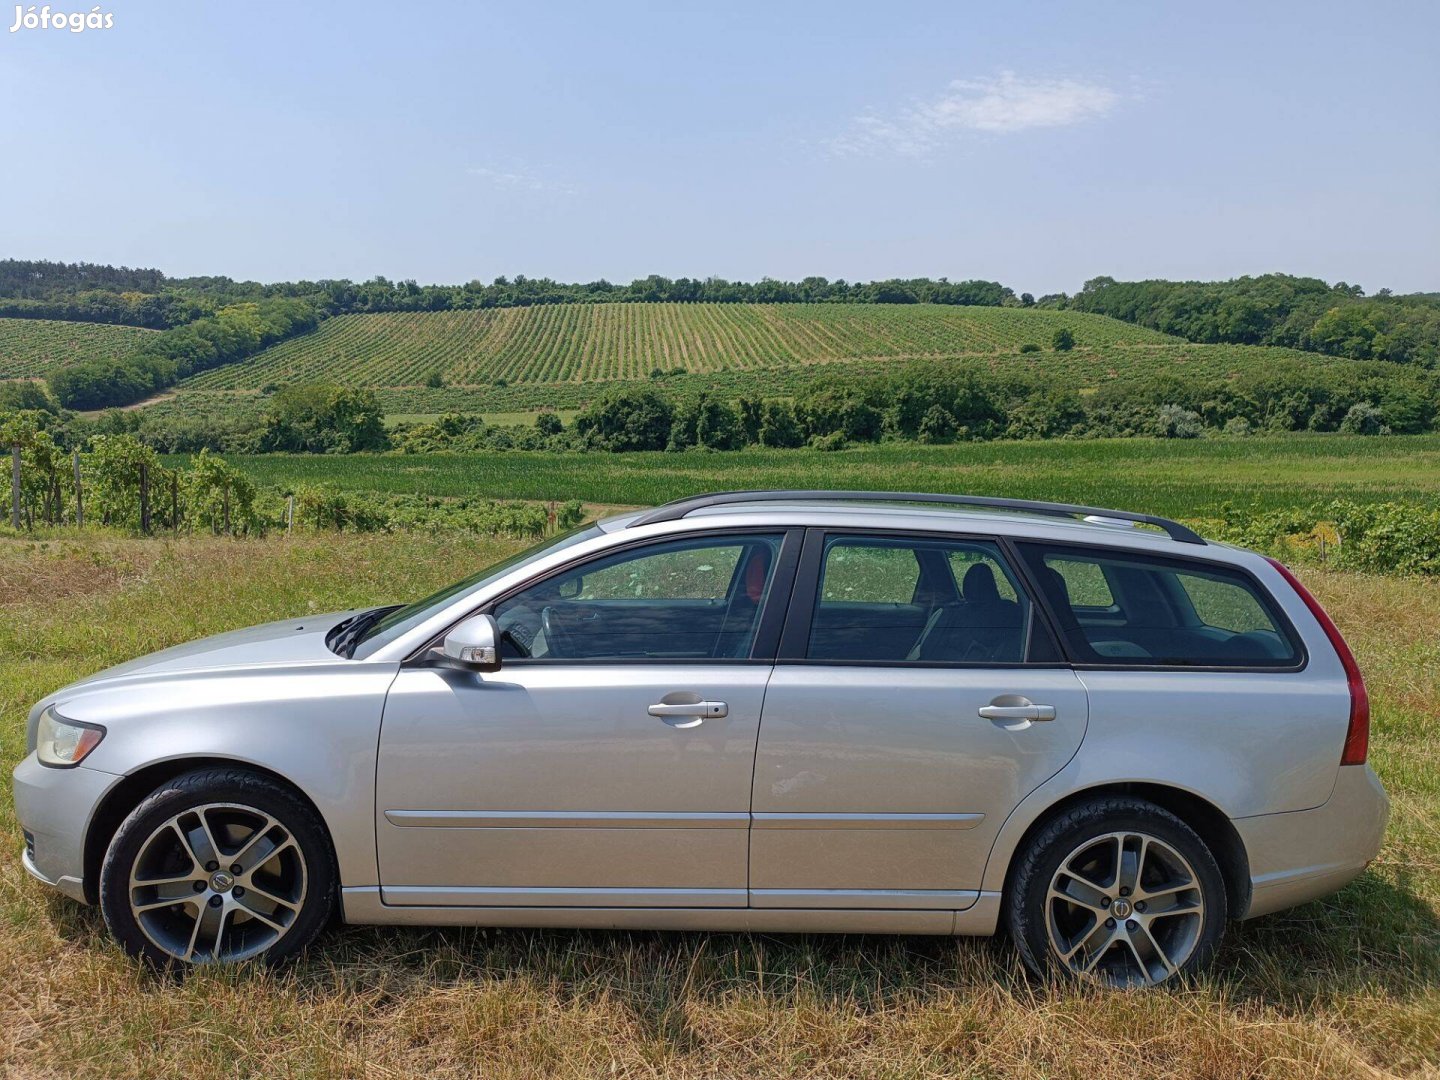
{"points": [[1357, 737]]}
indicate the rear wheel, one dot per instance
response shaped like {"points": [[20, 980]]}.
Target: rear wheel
{"points": [[1119, 891], [218, 865]]}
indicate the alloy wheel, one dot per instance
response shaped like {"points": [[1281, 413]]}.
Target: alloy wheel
{"points": [[1124, 908], [217, 882]]}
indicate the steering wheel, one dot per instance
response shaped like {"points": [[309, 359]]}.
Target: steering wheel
{"points": [[518, 629], [558, 640]]}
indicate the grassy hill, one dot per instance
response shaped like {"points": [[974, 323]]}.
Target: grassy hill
{"points": [[579, 343], [517, 360], [31, 347]]}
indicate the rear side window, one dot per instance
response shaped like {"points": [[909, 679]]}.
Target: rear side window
{"points": [[919, 601], [1118, 608]]}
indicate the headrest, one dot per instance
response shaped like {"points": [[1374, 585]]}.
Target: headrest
{"points": [[1055, 582], [979, 586], [755, 575]]}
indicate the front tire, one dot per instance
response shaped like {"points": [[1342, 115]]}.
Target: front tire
{"points": [[218, 865], [1118, 891]]}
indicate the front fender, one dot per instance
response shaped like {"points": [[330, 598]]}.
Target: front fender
{"points": [[315, 725]]}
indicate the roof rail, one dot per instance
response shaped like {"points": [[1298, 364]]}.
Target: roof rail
{"points": [[674, 511]]}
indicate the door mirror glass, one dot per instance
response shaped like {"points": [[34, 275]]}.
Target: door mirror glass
{"points": [[474, 644]]}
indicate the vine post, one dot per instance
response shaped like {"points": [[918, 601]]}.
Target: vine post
{"points": [[144, 498], [79, 494], [15, 487]]}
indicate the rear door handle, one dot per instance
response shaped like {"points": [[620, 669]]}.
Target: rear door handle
{"points": [[1018, 712], [695, 711]]}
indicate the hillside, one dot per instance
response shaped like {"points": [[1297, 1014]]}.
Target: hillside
{"points": [[578, 343], [31, 347]]}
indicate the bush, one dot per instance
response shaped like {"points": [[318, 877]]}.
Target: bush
{"points": [[937, 425], [1238, 426], [778, 426], [1029, 347], [1063, 341], [322, 418], [1173, 422], [628, 419], [548, 423], [1364, 419]]}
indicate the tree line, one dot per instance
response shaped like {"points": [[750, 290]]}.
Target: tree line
{"points": [[924, 402], [1277, 309]]}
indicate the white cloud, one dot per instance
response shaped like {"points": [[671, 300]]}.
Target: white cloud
{"points": [[999, 105], [520, 179]]}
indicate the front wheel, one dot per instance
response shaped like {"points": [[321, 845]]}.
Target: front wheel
{"points": [[218, 865], [1118, 891]]}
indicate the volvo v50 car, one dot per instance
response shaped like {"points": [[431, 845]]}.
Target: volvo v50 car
{"points": [[763, 711]]}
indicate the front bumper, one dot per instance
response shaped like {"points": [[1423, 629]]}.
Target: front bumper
{"points": [[55, 807], [1301, 856]]}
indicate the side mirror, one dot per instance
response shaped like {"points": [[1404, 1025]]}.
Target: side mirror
{"points": [[474, 644]]}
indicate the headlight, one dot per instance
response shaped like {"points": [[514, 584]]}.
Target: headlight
{"points": [[61, 743]]}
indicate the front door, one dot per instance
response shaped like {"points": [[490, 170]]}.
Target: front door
{"points": [[916, 701], [608, 762]]}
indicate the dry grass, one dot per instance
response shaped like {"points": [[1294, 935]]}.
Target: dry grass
{"points": [[1347, 987]]}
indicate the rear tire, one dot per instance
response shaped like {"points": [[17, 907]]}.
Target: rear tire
{"points": [[218, 865], [1119, 891]]}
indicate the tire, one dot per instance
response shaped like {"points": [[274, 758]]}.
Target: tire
{"points": [[174, 889], [1165, 902]]}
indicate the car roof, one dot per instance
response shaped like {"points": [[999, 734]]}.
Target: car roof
{"points": [[869, 509]]}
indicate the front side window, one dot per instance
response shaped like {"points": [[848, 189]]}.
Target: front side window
{"points": [[886, 599], [696, 599], [1115, 607]]}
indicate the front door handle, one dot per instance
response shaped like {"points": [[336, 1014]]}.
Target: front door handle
{"points": [[694, 711], [1017, 709]]}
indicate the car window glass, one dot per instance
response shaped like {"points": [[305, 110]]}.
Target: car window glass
{"points": [[1084, 581], [1161, 612], [698, 599], [961, 559], [683, 574], [1224, 604], [869, 574], [897, 600]]}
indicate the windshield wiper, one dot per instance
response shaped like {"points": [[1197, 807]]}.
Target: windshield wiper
{"points": [[347, 634]]}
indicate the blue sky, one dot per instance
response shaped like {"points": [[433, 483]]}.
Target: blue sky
{"points": [[1038, 144]]}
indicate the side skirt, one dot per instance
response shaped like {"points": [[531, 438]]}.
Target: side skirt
{"points": [[364, 906]]}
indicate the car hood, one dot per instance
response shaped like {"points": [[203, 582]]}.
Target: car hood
{"points": [[288, 641]]}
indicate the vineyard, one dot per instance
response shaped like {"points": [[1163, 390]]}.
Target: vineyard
{"points": [[575, 343], [31, 347]]}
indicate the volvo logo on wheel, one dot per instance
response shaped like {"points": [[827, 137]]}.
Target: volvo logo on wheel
{"points": [[220, 881]]}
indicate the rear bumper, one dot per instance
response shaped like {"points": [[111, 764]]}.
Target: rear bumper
{"points": [[55, 807], [1307, 854]]}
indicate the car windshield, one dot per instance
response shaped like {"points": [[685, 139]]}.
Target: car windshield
{"points": [[404, 619]]}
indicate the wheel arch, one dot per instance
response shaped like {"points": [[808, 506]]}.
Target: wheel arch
{"points": [[1210, 823], [132, 789]]}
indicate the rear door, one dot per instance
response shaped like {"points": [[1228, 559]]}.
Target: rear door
{"points": [[918, 697]]}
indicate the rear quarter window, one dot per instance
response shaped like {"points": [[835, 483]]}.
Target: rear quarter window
{"points": [[1120, 608]]}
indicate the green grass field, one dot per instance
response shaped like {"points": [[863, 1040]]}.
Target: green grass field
{"points": [[1190, 479], [31, 347], [573, 343], [1345, 987]]}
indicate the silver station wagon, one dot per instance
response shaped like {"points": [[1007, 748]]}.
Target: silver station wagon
{"points": [[770, 711]]}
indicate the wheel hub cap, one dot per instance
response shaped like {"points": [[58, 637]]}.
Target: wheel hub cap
{"points": [[1126, 909], [240, 908]]}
